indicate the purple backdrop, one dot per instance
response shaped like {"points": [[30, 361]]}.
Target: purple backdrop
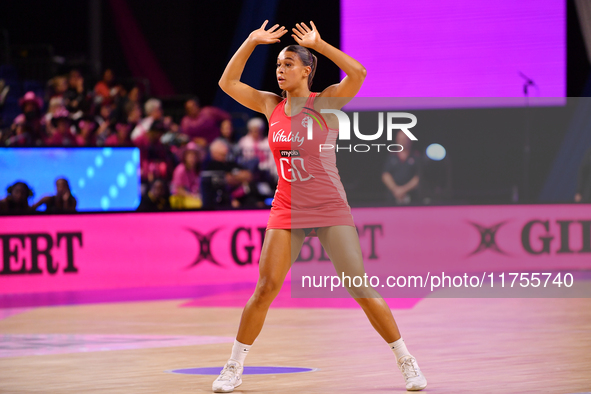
{"points": [[457, 48]]}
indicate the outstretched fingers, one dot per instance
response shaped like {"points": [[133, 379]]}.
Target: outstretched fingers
{"points": [[297, 34], [301, 29], [306, 27], [280, 32]]}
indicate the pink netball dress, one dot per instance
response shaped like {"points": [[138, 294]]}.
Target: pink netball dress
{"points": [[309, 193]]}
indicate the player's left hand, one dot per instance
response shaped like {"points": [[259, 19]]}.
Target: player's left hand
{"points": [[306, 37]]}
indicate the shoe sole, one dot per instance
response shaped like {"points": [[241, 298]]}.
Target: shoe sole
{"points": [[417, 389], [226, 391]]}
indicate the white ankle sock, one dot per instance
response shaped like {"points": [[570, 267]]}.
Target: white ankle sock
{"points": [[239, 352], [399, 348]]}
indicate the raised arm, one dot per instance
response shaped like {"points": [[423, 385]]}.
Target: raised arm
{"points": [[257, 100], [352, 82]]}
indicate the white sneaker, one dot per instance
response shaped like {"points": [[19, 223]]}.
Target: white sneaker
{"points": [[414, 378], [229, 379]]}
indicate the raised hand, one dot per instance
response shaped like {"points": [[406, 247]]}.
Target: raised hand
{"points": [[271, 36], [306, 37]]}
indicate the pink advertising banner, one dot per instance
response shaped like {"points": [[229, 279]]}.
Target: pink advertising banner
{"points": [[127, 250]]}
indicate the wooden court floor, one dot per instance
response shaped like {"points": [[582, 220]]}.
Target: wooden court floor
{"points": [[462, 345]]}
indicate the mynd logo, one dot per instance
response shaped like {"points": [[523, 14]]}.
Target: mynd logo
{"points": [[345, 131]]}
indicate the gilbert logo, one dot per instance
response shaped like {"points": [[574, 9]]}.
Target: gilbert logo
{"points": [[345, 130], [34, 253], [204, 246], [488, 238]]}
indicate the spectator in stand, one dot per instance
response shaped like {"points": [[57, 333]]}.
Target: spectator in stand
{"points": [[86, 135], [63, 201], [186, 183], [17, 200], [77, 99], [133, 113], [156, 161], [254, 148], [31, 106], [20, 133], [124, 102], [401, 172], [105, 89], [56, 105], [62, 134], [121, 135], [153, 109], [157, 197], [202, 125], [583, 193], [227, 137], [223, 183], [104, 119], [58, 86], [135, 95]]}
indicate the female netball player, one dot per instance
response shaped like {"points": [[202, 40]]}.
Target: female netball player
{"points": [[310, 199]]}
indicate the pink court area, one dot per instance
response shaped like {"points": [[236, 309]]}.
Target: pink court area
{"points": [[238, 298]]}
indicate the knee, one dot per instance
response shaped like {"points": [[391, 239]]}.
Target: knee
{"points": [[267, 290], [363, 295]]}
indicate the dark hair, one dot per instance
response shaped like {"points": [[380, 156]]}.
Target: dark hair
{"points": [[195, 99], [307, 58], [66, 182], [28, 190], [197, 167]]}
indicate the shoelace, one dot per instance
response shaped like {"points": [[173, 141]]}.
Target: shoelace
{"points": [[408, 368], [229, 372]]}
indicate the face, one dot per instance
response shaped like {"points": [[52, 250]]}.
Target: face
{"points": [[191, 159], [61, 85], [191, 108], [134, 94], [19, 193], [135, 114], [255, 132], [61, 186], [403, 140], [29, 107], [157, 113], [105, 111], [219, 152], [158, 190], [226, 129], [291, 72], [62, 126], [86, 128], [108, 76], [73, 78], [122, 130]]}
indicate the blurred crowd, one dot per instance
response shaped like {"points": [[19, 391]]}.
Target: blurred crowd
{"points": [[19, 193], [193, 162]]}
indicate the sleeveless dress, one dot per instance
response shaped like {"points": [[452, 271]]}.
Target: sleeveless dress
{"points": [[309, 192]]}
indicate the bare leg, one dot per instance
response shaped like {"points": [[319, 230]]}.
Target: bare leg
{"points": [[342, 246], [280, 249]]}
